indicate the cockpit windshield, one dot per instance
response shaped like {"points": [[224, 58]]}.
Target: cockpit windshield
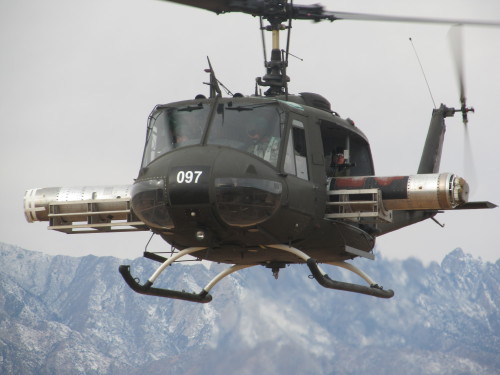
{"points": [[253, 128], [171, 128]]}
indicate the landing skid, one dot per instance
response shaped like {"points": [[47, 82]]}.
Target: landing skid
{"points": [[147, 289], [203, 296], [324, 280]]}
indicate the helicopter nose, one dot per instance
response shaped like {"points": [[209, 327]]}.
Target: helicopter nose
{"points": [[244, 202], [203, 187]]}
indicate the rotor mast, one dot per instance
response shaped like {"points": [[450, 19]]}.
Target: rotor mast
{"points": [[275, 77]]}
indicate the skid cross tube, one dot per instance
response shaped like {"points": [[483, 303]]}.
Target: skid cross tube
{"points": [[171, 260]]}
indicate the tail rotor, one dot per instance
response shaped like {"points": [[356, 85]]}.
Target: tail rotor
{"points": [[456, 45]]}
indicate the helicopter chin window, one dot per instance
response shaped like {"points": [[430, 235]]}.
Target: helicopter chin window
{"points": [[243, 202], [150, 205]]}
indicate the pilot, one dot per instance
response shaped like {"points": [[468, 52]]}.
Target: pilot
{"points": [[187, 132], [263, 144], [181, 138]]}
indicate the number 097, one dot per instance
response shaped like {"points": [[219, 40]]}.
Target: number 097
{"points": [[188, 177]]}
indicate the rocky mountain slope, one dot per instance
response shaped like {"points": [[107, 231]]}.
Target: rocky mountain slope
{"points": [[65, 315]]}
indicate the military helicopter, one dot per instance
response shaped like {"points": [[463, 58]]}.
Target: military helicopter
{"points": [[269, 179]]}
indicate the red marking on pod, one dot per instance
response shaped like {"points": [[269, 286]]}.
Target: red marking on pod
{"points": [[350, 182], [386, 181]]}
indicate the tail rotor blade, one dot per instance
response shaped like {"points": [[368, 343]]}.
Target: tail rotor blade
{"points": [[455, 37], [469, 164], [456, 44]]}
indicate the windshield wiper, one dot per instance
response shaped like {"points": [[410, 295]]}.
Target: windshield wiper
{"points": [[239, 109], [189, 108], [248, 107]]}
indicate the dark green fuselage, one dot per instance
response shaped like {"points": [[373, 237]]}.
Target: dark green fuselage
{"points": [[210, 188]]}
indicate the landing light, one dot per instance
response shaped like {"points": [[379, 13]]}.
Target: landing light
{"points": [[200, 235]]}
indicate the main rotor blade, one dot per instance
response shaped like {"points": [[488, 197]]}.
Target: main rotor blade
{"points": [[376, 17], [217, 6], [313, 12]]}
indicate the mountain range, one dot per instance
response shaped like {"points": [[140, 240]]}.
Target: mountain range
{"points": [[68, 315]]}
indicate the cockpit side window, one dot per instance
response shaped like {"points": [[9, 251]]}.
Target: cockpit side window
{"points": [[171, 128], [253, 128], [296, 151]]}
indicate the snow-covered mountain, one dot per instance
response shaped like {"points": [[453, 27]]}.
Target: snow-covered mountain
{"points": [[66, 315]]}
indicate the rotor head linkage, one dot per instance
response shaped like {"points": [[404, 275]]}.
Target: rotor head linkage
{"points": [[276, 12], [276, 78]]}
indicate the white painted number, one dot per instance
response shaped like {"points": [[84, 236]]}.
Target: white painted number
{"points": [[188, 177], [198, 174]]}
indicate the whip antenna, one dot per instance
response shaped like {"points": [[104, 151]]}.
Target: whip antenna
{"points": [[423, 73]]}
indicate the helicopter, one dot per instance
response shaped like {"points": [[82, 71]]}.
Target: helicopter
{"points": [[267, 179]]}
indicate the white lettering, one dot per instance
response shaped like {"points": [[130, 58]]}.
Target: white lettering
{"points": [[188, 177], [198, 174], [180, 177]]}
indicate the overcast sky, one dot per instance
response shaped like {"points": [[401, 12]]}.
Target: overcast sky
{"points": [[79, 78]]}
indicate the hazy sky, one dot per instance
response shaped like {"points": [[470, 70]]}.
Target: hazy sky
{"points": [[79, 78]]}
